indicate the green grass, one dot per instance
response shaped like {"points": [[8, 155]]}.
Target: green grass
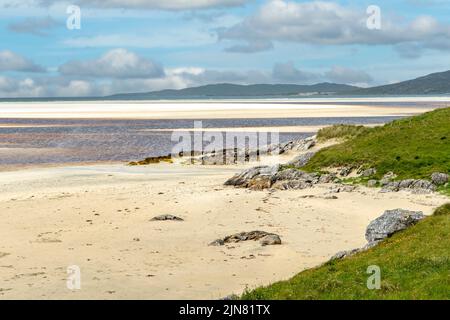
{"points": [[414, 147], [415, 264], [340, 131]]}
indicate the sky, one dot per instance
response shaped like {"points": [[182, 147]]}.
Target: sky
{"points": [[102, 47]]}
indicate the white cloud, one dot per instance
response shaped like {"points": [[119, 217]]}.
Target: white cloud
{"points": [[117, 63], [10, 61], [329, 23]]}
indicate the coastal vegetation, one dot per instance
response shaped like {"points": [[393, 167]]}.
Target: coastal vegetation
{"points": [[414, 264], [412, 148]]}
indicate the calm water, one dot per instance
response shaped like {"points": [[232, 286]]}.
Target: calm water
{"points": [[75, 141]]}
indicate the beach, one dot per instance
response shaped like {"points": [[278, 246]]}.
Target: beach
{"points": [[97, 217]]}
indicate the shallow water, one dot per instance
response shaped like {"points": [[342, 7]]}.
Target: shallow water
{"points": [[48, 141]]}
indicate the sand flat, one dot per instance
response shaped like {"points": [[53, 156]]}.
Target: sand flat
{"points": [[204, 110], [98, 217]]}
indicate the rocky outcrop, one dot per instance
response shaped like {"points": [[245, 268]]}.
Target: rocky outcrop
{"points": [[416, 186], [391, 222], [166, 217], [234, 156], [246, 178], [265, 177], [265, 238]]}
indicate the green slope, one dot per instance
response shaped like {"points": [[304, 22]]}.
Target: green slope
{"points": [[414, 147], [415, 264]]}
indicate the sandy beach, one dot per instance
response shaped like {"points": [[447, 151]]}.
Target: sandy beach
{"points": [[98, 218]]}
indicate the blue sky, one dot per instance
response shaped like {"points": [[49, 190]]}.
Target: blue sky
{"points": [[146, 45]]}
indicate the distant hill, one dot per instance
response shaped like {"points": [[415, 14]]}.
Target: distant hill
{"points": [[435, 83], [227, 90]]}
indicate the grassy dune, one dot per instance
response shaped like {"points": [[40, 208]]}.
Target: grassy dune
{"points": [[414, 264], [414, 147]]}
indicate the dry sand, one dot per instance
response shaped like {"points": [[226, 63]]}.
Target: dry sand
{"points": [[98, 218]]}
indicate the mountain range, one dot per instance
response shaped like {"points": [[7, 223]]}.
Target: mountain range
{"points": [[432, 84]]}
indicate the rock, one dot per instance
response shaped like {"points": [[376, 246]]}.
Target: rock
{"points": [[294, 174], [372, 183], [301, 160], [369, 172], [259, 183], [330, 197], [390, 222], [439, 179], [166, 217], [344, 254], [327, 178], [404, 184], [265, 237], [217, 243], [292, 185], [270, 240], [387, 178], [243, 179]]}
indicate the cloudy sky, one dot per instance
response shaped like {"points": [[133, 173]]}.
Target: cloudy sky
{"points": [[145, 45]]}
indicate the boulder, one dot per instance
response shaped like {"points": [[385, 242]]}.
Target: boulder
{"points": [[270, 240], [243, 179], [439, 178], [388, 177], [390, 222], [327, 178], [166, 217], [368, 172], [292, 185], [265, 238]]}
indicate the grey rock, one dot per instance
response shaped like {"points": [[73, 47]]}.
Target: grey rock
{"points": [[217, 243], [167, 217], [265, 238], [404, 184], [327, 178], [243, 179], [270, 240], [344, 254], [301, 160], [439, 178], [292, 185], [369, 172], [294, 174], [390, 222], [388, 177]]}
